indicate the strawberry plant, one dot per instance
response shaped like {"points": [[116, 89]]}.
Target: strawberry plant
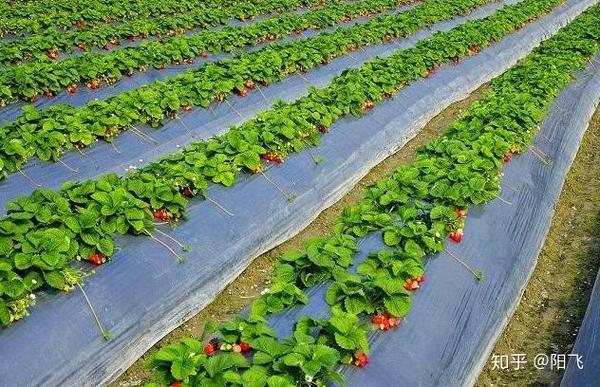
{"points": [[36, 17], [104, 119], [415, 209], [34, 47], [29, 80], [508, 116]]}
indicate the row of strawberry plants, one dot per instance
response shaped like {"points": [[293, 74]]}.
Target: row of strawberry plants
{"points": [[42, 234], [412, 209], [47, 46], [27, 81], [47, 133], [37, 16]]}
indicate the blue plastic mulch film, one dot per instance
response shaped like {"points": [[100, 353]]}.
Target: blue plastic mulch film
{"points": [[144, 293], [455, 321], [583, 368]]}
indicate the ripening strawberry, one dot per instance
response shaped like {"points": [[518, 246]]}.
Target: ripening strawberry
{"points": [[53, 54], [460, 213], [209, 349], [394, 321], [249, 84], [236, 348]]}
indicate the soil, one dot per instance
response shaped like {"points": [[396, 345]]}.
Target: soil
{"points": [[556, 298], [254, 279]]}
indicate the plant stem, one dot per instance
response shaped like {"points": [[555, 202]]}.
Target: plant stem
{"points": [[170, 237], [504, 200], [285, 194], [478, 275], [180, 259], [105, 334], [28, 178], [234, 109], [218, 205], [67, 166]]}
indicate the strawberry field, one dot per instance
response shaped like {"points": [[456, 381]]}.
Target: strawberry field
{"points": [[151, 150]]}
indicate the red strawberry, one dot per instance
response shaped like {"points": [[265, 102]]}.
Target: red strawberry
{"points": [[474, 48], [96, 259], [176, 384], [273, 157], [245, 347], [457, 235], [420, 279], [204, 54], [360, 359], [368, 105], [161, 214], [506, 158], [243, 92], [187, 107], [72, 88], [93, 85], [411, 285], [187, 192], [209, 349], [323, 129], [53, 54], [460, 213], [80, 24], [455, 60], [48, 93], [131, 38], [249, 84], [81, 45], [378, 319]]}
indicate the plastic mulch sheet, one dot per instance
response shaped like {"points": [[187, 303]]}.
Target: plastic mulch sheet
{"points": [[586, 372], [454, 321], [144, 293]]}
